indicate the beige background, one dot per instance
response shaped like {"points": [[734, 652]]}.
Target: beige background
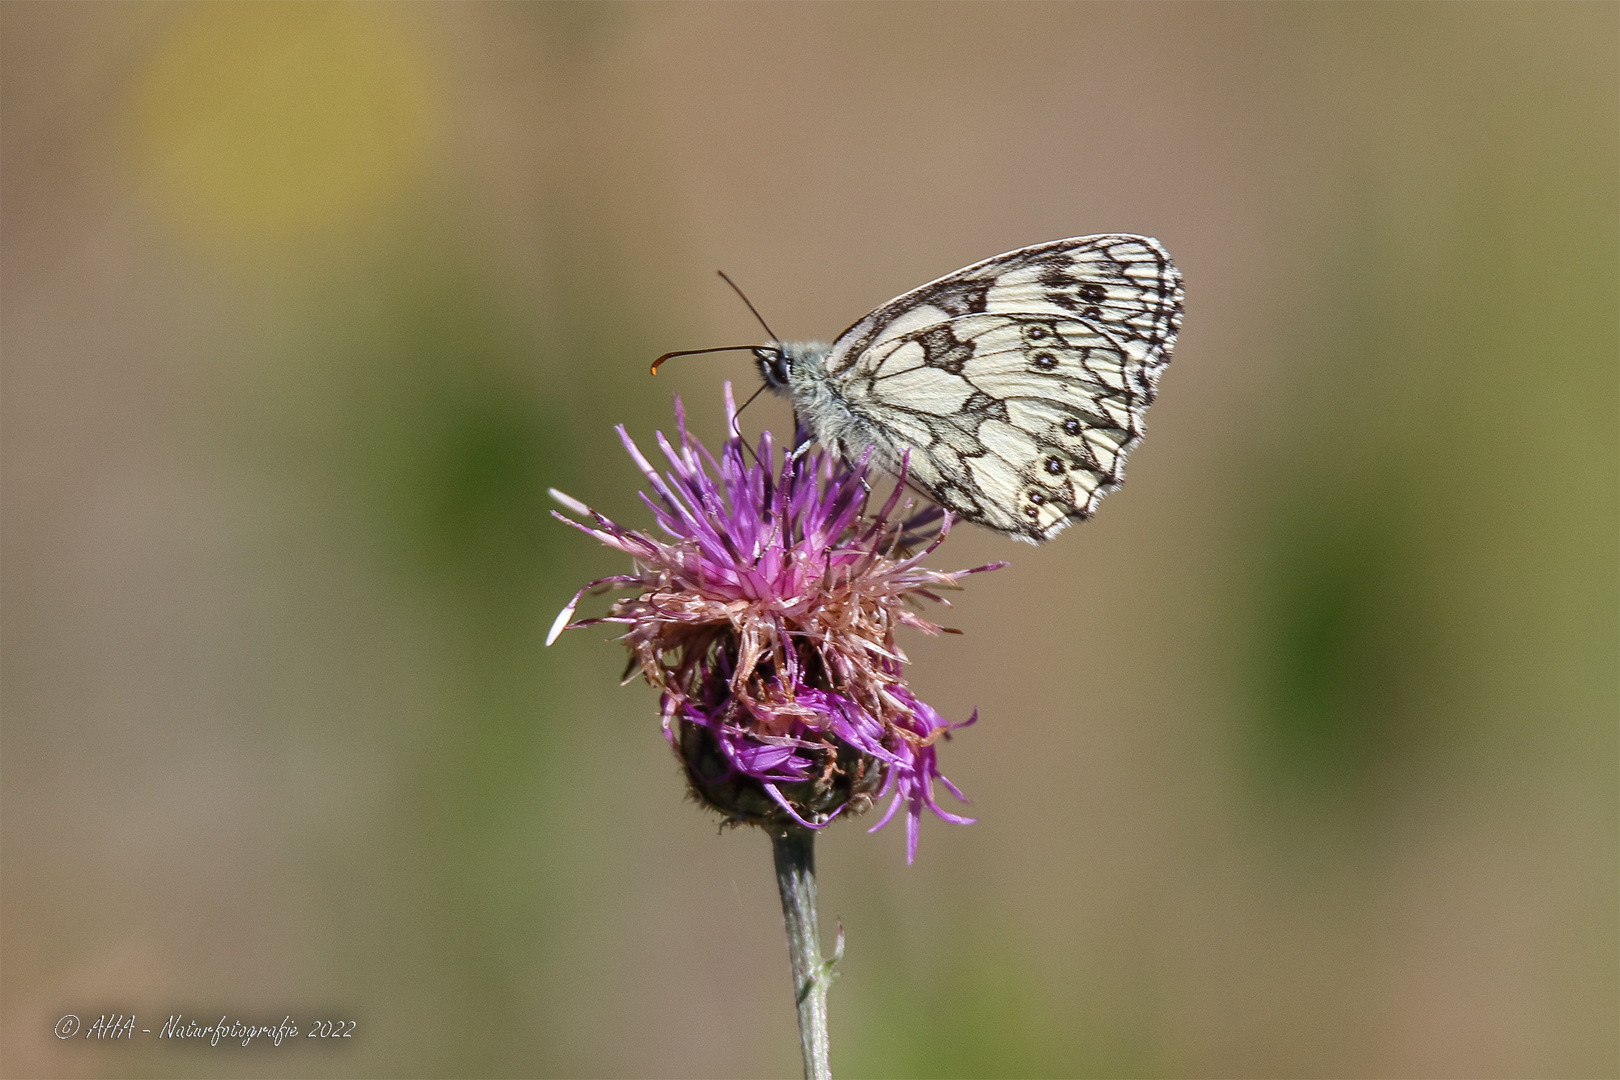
{"points": [[1300, 760]]}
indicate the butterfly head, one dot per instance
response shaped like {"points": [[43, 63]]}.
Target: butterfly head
{"points": [[790, 366]]}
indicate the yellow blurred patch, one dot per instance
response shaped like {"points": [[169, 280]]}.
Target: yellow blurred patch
{"points": [[269, 121]]}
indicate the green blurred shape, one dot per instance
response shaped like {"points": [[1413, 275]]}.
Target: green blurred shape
{"points": [[435, 447], [990, 1014], [449, 445], [469, 481], [1335, 641]]}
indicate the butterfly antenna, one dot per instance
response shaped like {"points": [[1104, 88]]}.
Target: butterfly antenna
{"points": [[696, 352], [750, 304]]}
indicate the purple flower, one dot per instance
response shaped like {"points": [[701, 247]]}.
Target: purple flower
{"points": [[765, 615]]}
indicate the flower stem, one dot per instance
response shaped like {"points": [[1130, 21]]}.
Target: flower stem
{"points": [[795, 852]]}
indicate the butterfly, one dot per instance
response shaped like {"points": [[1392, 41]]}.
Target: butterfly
{"points": [[1010, 391]]}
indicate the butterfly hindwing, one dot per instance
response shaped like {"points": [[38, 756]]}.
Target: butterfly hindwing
{"points": [[1017, 386]]}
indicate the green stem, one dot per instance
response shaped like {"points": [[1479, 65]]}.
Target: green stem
{"points": [[795, 852]]}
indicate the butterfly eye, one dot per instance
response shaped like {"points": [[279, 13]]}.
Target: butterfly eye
{"points": [[1037, 498], [1054, 466], [773, 364], [1072, 426], [1044, 360], [1092, 293], [1037, 332]]}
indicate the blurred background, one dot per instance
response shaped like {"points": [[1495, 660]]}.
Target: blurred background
{"points": [[1299, 760]]}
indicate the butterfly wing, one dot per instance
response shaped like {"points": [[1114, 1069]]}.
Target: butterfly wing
{"points": [[1018, 385]]}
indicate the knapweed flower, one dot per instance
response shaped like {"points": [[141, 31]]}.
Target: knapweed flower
{"points": [[765, 615]]}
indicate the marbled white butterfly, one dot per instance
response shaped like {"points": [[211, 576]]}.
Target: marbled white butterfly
{"points": [[1013, 388]]}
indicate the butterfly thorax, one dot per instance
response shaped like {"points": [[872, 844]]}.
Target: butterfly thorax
{"points": [[797, 371]]}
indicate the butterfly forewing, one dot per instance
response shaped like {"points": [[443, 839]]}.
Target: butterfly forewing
{"points": [[1018, 385]]}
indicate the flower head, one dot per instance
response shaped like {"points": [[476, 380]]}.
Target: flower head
{"points": [[765, 616]]}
